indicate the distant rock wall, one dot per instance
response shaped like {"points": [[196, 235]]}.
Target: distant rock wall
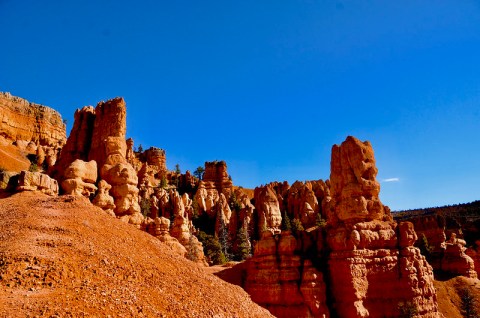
{"points": [[24, 121]]}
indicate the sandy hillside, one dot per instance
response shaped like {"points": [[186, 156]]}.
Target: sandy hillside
{"points": [[60, 257], [12, 159]]}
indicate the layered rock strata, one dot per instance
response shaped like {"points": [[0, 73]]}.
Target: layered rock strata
{"points": [[367, 261], [216, 177], [36, 181], [367, 247], [279, 279], [29, 122]]}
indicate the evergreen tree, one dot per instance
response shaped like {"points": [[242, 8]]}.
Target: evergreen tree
{"points": [[286, 224], [199, 172], [297, 226], [243, 243], [212, 248]]}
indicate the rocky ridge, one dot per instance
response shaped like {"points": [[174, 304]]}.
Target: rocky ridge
{"points": [[344, 242]]}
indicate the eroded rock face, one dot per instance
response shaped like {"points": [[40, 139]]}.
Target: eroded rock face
{"points": [[268, 209], [36, 181], [367, 247], [279, 279], [98, 135], [474, 253], [353, 185], [103, 199], [447, 257], [302, 203], [79, 178], [110, 121], [455, 261], [159, 227], [25, 121], [156, 157], [78, 142], [216, 177]]}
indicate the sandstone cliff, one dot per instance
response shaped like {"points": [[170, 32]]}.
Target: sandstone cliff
{"points": [[25, 121]]}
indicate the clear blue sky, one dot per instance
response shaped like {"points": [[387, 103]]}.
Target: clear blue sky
{"points": [[269, 86]]}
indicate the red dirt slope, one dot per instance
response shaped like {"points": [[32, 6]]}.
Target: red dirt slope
{"points": [[60, 256]]}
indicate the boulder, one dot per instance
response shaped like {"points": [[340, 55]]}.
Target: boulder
{"points": [[36, 181], [79, 178]]}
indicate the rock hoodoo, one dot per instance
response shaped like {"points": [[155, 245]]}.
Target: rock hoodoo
{"points": [[367, 247], [447, 257], [216, 177], [362, 261]]}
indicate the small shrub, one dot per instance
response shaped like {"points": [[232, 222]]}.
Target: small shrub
{"points": [[33, 167], [320, 222], [145, 206], [297, 226]]}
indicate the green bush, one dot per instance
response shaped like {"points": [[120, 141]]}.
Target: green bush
{"points": [[297, 226], [145, 206], [320, 222]]}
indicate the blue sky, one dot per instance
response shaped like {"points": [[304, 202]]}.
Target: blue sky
{"points": [[269, 86]]}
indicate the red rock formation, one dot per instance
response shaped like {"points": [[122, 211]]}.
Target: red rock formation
{"points": [[36, 181], [267, 209], [156, 157], [78, 142], [110, 121], [474, 253], [79, 178], [368, 249], [446, 257], [103, 199], [216, 177], [280, 280], [25, 121], [455, 261], [302, 203]]}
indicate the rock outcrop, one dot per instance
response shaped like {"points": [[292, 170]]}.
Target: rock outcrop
{"points": [[98, 135], [156, 157], [36, 181], [79, 178], [447, 257], [216, 177], [367, 248], [279, 279], [455, 261], [267, 209], [78, 142], [29, 122], [362, 261], [103, 199]]}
